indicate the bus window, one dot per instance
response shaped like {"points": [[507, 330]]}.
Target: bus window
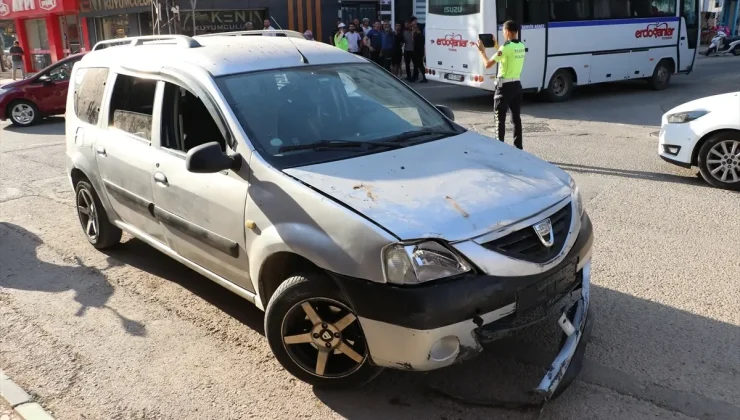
{"points": [[534, 12], [569, 10], [612, 9], [453, 7]]}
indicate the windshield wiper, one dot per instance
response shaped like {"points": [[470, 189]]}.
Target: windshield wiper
{"points": [[338, 144], [408, 135]]}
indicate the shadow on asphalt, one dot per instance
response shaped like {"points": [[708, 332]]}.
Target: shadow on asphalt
{"points": [[627, 331], [47, 127], [696, 181], [22, 270], [138, 254]]}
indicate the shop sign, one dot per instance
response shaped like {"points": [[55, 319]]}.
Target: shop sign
{"points": [[10, 9], [111, 5], [220, 21]]}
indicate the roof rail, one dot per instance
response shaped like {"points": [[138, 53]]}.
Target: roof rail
{"points": [[284, 33], [135, 41]]}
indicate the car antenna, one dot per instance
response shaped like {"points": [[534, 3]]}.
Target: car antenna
{"points": [[304, 60]]}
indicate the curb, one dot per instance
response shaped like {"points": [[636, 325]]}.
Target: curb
{"points": [[22, 404]]}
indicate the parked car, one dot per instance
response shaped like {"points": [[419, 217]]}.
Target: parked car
{"points": [[372, 229], [26, 102], [705, 133]]}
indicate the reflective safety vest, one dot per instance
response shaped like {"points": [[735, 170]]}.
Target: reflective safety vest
{"points": [[341, 42], [510, 57]]}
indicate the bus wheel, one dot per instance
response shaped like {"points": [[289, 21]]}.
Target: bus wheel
{"points": [[661, 75], [561, 86]]}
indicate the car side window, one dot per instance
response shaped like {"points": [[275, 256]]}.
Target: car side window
{"points": [[89, 86], [132, 105], [186, 122], [62, 72]]}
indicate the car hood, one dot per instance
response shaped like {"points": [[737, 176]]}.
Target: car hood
{"points": [[16, 84], [724, 101], [455, 188]]}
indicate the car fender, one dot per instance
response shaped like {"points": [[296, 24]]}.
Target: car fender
{"points": [[78, 160]]}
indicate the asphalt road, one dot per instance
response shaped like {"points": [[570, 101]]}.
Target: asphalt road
{"points": [[130, 334]]}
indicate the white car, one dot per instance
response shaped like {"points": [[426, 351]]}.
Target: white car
{"points": [[705, 133]]}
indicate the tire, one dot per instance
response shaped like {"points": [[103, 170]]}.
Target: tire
{"points": [[709, 51], [286, 316], [560, 88], [719, 157], [661, 76], [23, 113], [103, 234], [736, 50]]}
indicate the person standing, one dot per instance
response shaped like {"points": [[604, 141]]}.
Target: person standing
{"points": [[16, 52], [249, 26], [508, 94], [354, 41], [268, 27], [418, 54], [408, 51], [388, 42], [340, 39], [397, 56], [308, 35], [334, 32], [374, 42]]}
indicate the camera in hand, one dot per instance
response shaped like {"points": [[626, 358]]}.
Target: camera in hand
{"points": [[487, 40]]}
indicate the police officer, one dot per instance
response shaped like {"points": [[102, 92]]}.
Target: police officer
{"points": [[510, 57]]}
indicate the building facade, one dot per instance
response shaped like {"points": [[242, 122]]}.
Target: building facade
{"points": [[47, 30]]}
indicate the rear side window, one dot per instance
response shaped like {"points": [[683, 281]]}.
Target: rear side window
{"points": [[89, 87], [132, 105]]}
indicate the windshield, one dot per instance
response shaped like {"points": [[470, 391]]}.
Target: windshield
{"points": [[284, 111]]}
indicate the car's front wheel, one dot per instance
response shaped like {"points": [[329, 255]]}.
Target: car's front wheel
{"points": [[23, 113], [315, 334], [719, 160]]}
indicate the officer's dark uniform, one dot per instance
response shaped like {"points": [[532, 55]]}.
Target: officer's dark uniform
{"points": [[509, 88]]}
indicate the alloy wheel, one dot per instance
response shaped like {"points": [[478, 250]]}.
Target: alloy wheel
{"points": [[22, 114], [87, 213], [723, 161], [323, 337]]}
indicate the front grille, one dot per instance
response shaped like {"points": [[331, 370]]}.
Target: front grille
{"points": [[525, 244]]}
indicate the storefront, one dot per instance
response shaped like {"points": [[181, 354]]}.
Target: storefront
{"points": [[48, 30], [108, 19]]}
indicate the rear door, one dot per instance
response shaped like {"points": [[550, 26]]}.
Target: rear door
{"points": [[533, 16], [124, 152], [689, 37]]}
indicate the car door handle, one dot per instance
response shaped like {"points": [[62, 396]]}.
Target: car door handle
{"points": [[161, 179], [101, 151]]}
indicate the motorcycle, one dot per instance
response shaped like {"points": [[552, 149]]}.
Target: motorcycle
{"points": [[722, 45]]}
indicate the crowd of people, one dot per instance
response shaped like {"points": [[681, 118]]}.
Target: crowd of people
{"points": [[390, 47]]}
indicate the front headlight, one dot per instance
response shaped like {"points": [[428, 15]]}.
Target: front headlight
{"points": [[420, 261], [575, 196], [684, 117]]}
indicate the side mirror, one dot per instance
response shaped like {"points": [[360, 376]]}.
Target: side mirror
{"points": [[45, 79], [447, 111], [209, 158]]}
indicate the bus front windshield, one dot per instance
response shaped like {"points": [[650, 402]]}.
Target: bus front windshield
{"points": [[453, 7]]}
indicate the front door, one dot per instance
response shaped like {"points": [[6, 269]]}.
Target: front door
{"points": [[533, 17], [202, 214], [689, 37]]}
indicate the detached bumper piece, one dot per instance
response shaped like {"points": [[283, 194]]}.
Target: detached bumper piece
{"points": [[576, 325]]}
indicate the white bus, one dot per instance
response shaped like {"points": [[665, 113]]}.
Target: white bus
{"points": [[569, 42]]}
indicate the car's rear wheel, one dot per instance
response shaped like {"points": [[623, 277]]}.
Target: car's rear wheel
{"points": [[719, 160], [99, 231], [23, 113], [315, 334]]}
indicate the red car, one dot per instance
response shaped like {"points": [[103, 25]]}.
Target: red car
{"points": [[27, 101]]}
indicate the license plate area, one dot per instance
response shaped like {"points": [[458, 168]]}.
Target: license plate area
{"points": [[454, 77], [548, 291]]}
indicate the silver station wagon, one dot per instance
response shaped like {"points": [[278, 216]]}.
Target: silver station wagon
{"points": [[371, 228]]}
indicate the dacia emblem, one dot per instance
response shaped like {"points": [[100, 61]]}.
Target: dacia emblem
{"points": [[545, 233]]}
